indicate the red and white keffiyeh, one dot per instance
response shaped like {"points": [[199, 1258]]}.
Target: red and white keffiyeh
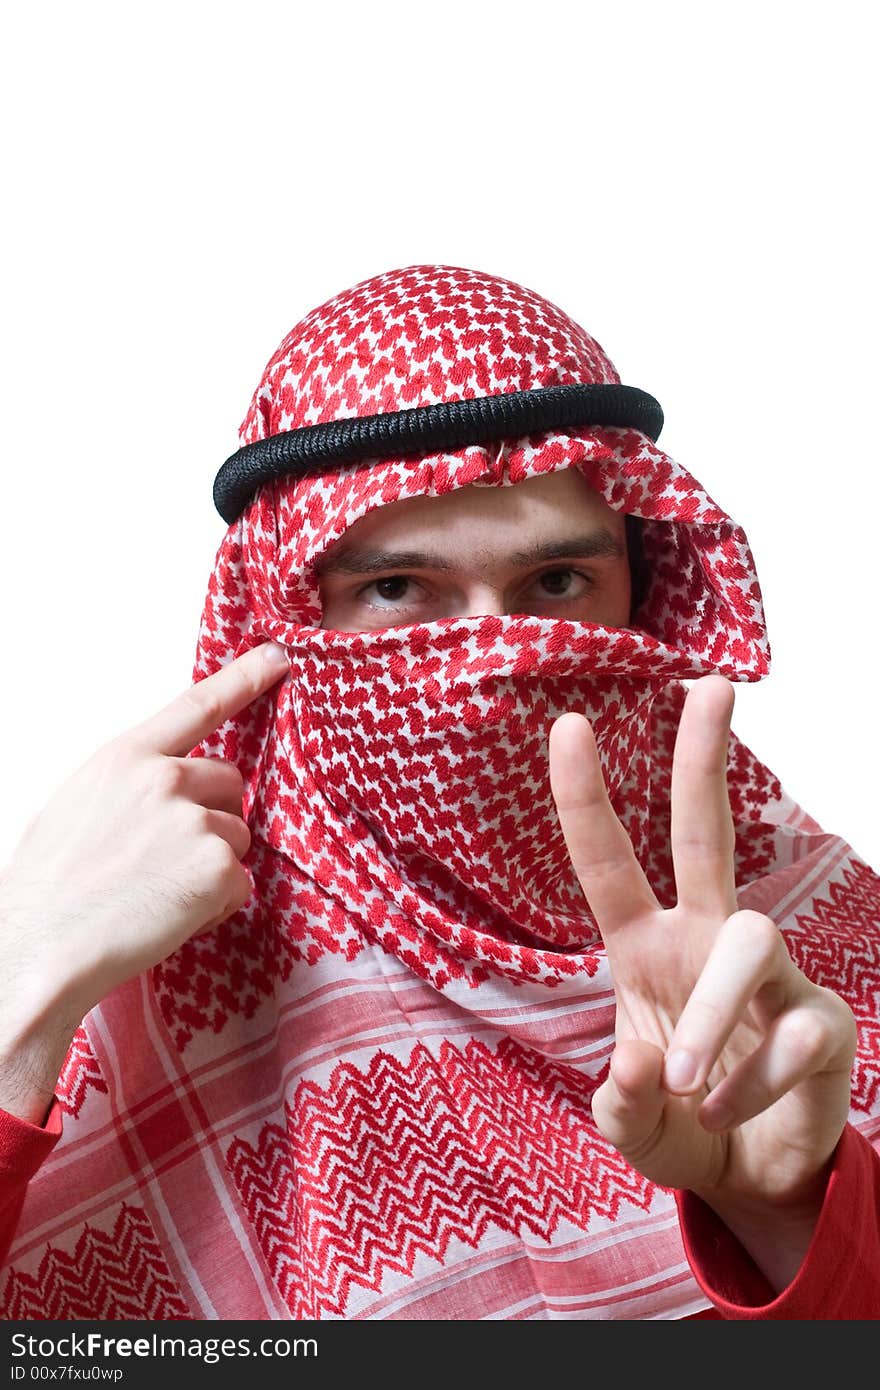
{"points": [[367, 1093]]}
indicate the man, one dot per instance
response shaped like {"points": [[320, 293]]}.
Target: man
{"points": [[395, 1016]]}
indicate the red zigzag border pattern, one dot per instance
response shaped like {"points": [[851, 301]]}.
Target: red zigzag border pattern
{"points": [[79, 1074], [838, 946], [118, 1275], [401, 1159]]}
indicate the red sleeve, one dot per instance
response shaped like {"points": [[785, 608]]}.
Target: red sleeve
{"points": [[23, 1148], [840, 1275]]}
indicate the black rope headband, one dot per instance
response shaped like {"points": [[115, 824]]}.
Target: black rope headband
{"points": [[428, 429]]}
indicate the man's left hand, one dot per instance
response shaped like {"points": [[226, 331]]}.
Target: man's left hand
{"points": [[731, 1072]]}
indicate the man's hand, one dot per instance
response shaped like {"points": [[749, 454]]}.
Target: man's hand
{"points": [[731, 1071], [140, 849]]}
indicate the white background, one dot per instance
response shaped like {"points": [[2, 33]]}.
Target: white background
{"points": [[694, 184]]}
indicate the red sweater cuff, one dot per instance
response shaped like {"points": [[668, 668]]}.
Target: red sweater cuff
{"points": [[24, 1147], [840, 1274]]}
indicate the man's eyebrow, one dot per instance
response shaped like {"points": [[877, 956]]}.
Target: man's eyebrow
{"points": [[599, 544]]}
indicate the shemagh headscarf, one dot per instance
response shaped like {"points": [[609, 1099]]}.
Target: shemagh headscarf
{"points": [[367, 1093]]}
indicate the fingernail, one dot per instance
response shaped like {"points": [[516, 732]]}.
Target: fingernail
{"points": [[276, 655], [681, 1069]]}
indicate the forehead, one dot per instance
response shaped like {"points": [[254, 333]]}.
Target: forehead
{"points": [[481, 528], [532, 507]]}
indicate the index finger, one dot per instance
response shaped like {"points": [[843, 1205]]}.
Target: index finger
{"points": [[192, 716], [600, 849]]}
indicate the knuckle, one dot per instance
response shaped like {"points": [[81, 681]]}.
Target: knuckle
{"points": [[204, 702], [702, 1011], [807, 1035], [713, 841], [165, 776], [843, 1021], [236, 892], [224, 838], [604, 1110], [204, 823], [759, 933], [609, 859], [230, 772], [220, 858], [616, 1114]]}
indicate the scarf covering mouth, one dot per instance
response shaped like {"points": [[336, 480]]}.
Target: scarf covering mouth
{"points": [[367, 1093]]}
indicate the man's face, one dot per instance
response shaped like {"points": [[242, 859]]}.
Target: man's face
{"points": [[550, 547]]}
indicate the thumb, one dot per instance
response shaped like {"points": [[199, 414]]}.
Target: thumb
{"points": [[629, 1104]]}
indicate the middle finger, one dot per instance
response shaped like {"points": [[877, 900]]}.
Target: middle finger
{"points": [[702, 835], [211, 782]]}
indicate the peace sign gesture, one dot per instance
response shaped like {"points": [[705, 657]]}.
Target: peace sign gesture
{"points": [[731, 1071]]}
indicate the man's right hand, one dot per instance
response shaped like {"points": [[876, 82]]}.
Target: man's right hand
{"points": [[137, 851]]}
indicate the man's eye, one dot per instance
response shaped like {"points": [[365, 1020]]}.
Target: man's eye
{"points": [[390, 592], [393, 588], [563, 583]]}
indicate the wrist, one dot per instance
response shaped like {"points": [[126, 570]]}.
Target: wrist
{"points": [[777, 1233], [31, 1057], [39, 1015]]}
